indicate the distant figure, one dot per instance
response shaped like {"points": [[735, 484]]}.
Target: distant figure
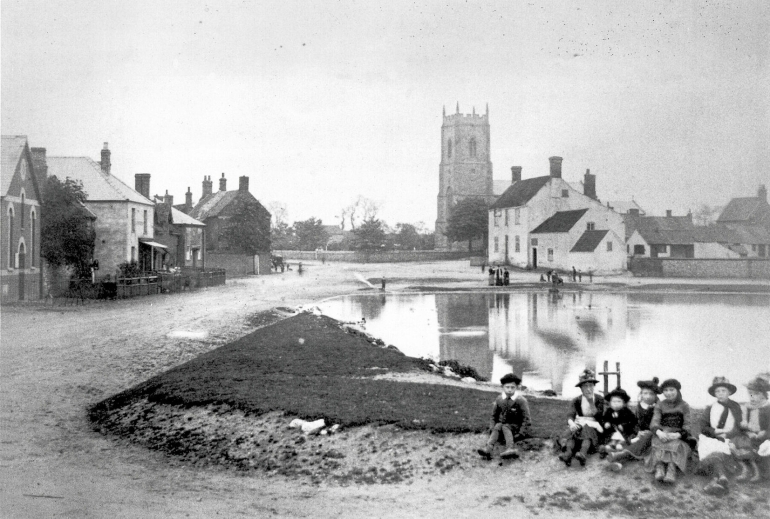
{"points": [[542, 278], [383, 283], [549, 274], [591, 276], [282, 267], [323, 259], [299, 268], [498, 277], [482, 268], [580, 276], [506, 277], [574, 274], [491, 276]]}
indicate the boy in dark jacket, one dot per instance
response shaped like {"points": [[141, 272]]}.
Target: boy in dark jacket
{"points": [[510, 416], [619, 422]]}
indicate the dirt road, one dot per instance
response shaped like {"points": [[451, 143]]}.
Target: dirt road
{"points": [[56, 361]]}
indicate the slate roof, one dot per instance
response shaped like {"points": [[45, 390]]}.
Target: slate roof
{"points": [[212, 205], [98, 185], [561, 221], [589, 241], [12, 147], [661, 228], [744, 209], [180, 218], [623, 206], [521, 192], [749, 234]]}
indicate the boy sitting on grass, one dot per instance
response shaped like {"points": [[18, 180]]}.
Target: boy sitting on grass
{"points": [[511, 416]]}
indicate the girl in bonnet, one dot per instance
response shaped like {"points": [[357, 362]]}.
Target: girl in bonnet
{"points": [[670, 427], [756, 430]]}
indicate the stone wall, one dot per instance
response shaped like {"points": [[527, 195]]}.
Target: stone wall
{"points": [[700, 268], [239, 265], [373, 257]]}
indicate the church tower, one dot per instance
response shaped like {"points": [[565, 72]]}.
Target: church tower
{"points": [[466, 167]]}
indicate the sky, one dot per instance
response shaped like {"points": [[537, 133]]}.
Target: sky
{"points": [[667, 102]]}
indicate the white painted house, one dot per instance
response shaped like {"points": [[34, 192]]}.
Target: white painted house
{"points": [[528, 204]]}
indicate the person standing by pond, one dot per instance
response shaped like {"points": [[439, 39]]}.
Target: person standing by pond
{"points": [[383, 283], [582, 436], [506, 277], [671, 434], [574, 274], [491, 276]]}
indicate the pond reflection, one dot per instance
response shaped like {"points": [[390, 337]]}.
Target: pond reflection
{"points": [[551, 337]]}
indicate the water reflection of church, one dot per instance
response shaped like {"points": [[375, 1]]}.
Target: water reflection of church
{"points": [[547, 337]]}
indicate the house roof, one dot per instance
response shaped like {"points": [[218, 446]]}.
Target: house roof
{"points": [[749, 234], [589, 241], [623, 206], [213, 204], [561, 221], [180, 218], [521, 192], [333, 230], [744, 209], [12, 147], [672, 230], [97, 184]]}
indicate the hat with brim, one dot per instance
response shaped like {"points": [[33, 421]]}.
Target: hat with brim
{"points": [[759, 384], [721, 382], [652, 385], [620, 393], [587, 377]]}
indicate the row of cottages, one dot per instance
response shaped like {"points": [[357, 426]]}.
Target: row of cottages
{"points": [[545, 222], [217, 210], [20, 200]]}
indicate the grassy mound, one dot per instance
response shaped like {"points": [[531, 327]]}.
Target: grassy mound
{"points": [[306, 366]]}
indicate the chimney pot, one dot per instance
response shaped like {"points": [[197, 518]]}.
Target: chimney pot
{"points": [[762, 192], [243, 184], [589, 184], [105, 162], [223, 183], [668, 213], [142, 184], [207, 186], [555, 166], [515, 174], [188, 199]]}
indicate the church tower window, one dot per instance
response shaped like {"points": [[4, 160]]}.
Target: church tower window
{"points": [[472, 147], [449, 149]]}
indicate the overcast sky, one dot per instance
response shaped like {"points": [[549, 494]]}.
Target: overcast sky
{"points": [[667, 102]]}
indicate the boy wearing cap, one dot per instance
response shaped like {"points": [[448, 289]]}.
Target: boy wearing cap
{"points": [[619, 422], [510, 416]]}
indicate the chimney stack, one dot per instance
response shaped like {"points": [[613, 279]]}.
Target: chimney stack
{"points": [[207, 186], [223, 183], [40, 164], [142, 184], [188, 200], [515, 174], [168, 199], [589, 185], [668, 213], [555, 166], [243, 184], [761, 192], [105, 162]]}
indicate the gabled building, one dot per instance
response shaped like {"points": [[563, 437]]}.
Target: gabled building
{"points": [[183, 235], [124, 217], [20, 202], [561, 215], [660, 236], [217, 211], [749, 218]]}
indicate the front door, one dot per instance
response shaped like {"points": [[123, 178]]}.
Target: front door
{"points": [[534, 257]]}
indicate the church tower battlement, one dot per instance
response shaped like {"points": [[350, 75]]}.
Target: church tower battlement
{"points": [[466, 166]]}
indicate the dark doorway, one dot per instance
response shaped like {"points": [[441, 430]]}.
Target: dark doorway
{"points": [[21, 266], [534, 257]]}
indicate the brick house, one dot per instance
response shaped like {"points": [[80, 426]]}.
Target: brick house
{"points": [[568, 225], [749, 218], [20, 200], [216, 211], [124, 217], [183, 235]]}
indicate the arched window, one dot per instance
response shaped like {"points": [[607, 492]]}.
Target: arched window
{"points": [[449, 149], [11, 263], [472, 147], [21, 220], [33, 221], [22, 255]]}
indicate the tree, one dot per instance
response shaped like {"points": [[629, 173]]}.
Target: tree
{"points": [[360, 210], [281, 234], [370, 235], [468, 219], [706, 214], [247, 228], [407, 236], [67, 236], [310, 234]]}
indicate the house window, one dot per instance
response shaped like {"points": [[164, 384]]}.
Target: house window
{"points": [[590, 226], [565, 193], [534, 242], [516, 244], [472, 147], [639, 250], [550, 254], [449, 149], [506, 217], [145, 222], [516, 215], [133, 220], [506, 246], [497, 217], [609, 246], [133, 253], [753, 247], [189, 254], [11, 260], [762, 251], [497, 244]]}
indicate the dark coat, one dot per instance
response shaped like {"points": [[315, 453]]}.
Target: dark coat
{"points": [[625, 423], [706, 427], [513, 412], [672, 416], [644, 416]]}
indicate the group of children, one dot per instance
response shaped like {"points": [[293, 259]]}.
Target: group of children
{"points": [[732, 437]]}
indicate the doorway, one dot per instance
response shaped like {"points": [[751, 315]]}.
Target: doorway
{"points": [[534, 257], [21, 266]]}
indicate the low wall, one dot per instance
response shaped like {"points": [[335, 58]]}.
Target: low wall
{"points": [[373, 257], [239, 265], [744, 268]]}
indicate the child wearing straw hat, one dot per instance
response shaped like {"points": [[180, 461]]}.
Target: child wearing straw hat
{"points": [[720, 426], [583, 434]]}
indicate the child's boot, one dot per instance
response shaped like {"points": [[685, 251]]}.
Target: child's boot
{"points": [[509, 453], [485, 452], [745, 472], [602, 451], [615, 457], [757, 476], [670, 476], [660, 472], [582, 456]]}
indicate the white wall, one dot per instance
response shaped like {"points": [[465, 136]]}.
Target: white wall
{"points": [[714, 250], [636, 239]]}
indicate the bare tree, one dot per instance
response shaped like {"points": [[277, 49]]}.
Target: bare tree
{"points": [[360, 210], [706, 214], [279, 213]]}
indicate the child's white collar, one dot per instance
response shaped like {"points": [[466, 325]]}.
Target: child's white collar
{"points": [[514, 396]]}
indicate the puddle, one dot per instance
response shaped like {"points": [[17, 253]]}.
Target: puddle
{"points": [[185, 334]]}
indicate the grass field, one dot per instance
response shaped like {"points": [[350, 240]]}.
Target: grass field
{"points": [[308, 367]]}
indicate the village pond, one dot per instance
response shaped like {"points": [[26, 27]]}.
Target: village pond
{"points": [[550, 338]]}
